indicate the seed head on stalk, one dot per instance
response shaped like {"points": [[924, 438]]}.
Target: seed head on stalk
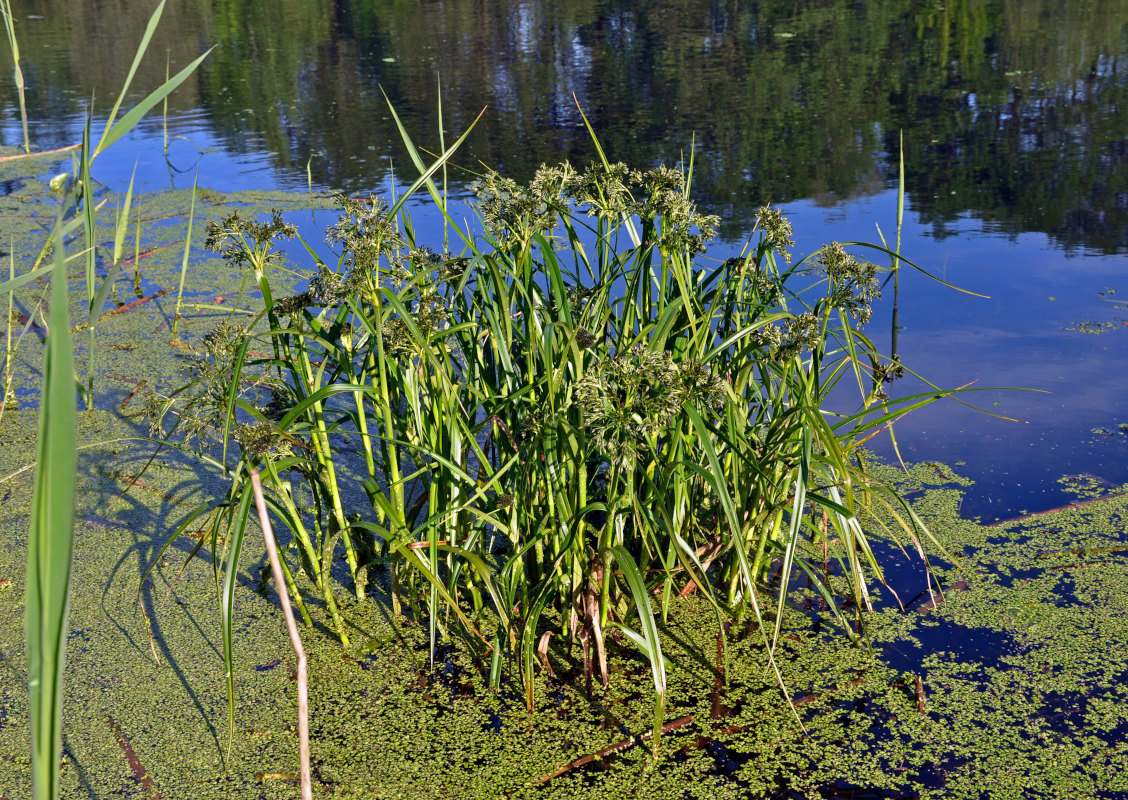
{"points": [[776, 230], [628, 399], [366, 232], [853, 283], [245, 243]]}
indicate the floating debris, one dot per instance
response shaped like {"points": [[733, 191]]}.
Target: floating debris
{"points": [[1093, 327]]}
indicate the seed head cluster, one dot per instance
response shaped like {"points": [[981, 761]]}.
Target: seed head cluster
{"points": [[513, 214], [627, 400], [246, 243], [200, 408], [776, 231], [853, 283], [261, 440], [366, 231]]}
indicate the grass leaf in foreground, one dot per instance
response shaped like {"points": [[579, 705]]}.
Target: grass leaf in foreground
{"points": [[50, 544]]}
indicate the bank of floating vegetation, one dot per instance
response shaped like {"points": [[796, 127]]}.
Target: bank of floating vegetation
{"points": [[554, 429]]}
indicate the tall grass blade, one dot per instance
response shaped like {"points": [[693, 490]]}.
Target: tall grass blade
{"points": [[89, 222], [425, 172], [164, 106], [14, 283], [50, 543], [227, 608], [187, 250], [129, 121], [649, 633], [13, 43], [121, 227], [146, 37]]}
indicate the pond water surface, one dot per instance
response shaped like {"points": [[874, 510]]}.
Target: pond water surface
{"points": [[1014, 115]]}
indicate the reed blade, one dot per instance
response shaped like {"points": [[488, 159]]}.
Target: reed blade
{"points": [[13, 43], [187, 250], [50, 543]]}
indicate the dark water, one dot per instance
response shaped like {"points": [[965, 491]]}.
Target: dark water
{"points": [[1014, 115]]}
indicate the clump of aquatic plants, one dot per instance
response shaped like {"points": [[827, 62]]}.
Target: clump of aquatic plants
{"points": [[558, 429]]}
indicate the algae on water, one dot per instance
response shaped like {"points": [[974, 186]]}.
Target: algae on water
{"points": [[1032, 706]]}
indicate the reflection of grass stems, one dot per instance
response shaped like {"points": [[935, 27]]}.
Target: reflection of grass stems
{"points": [[894, 351], [137, 255], [121, 229], [164, 107], [442, 148], [13, 43]]}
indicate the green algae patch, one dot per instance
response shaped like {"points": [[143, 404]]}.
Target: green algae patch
{"points": [[169, 715], [138, 339], [1033, 707]]}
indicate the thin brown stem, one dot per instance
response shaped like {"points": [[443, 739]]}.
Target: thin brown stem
{"points": [[295, 638]]}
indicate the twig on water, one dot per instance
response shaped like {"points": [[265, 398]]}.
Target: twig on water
{"points": [[133, 305], [66, 149], [136, 767], [146, 253], [295, 638], [615, 748]]}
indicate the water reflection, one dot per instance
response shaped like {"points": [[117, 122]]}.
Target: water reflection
{"points": [[1013, 114], [1013, 110]]}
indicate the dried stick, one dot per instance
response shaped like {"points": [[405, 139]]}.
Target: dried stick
{"points": [[618, 747], [40, 153], [130, 306], [295, 639], [139, 774]]}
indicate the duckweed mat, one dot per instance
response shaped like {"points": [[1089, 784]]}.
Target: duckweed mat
{"points": [[1010, 686]]}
